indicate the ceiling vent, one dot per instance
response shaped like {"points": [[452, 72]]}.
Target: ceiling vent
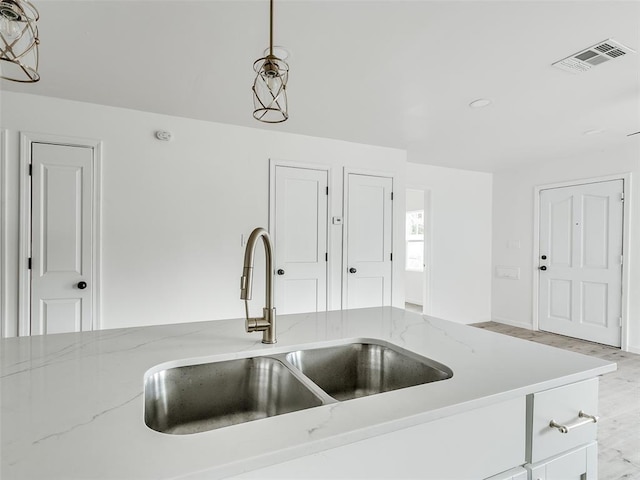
{"points": [[590, 57]]}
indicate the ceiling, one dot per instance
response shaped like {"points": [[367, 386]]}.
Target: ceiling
{"points": [[392, 73]]}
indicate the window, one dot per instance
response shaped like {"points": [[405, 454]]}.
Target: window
{"points": [[415, 241]]}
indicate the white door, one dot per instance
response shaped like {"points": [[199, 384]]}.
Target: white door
{"points": [[300, 239], [61, 226], [368, 241], [581, 261]]}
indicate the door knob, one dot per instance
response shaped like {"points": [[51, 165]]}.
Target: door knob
{"points": [[543, 267], [352, 270], [543, 257], [82, 285], [280, 271]]}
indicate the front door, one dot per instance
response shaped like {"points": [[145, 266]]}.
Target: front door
{"points": [[368, 239], [61, 238], [581, 261], [300, 239]]}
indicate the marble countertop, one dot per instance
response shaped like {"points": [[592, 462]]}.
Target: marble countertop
{"points": [[72, 404]]}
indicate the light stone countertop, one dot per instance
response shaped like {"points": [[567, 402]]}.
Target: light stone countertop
{"points": [[72, 404]]}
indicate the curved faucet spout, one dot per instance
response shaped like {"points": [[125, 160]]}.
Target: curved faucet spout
{"points": [[266, 324]]}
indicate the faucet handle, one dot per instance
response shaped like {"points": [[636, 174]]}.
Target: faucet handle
{"points": [[245, 285]]}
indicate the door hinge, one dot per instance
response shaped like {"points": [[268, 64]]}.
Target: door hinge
{"points": [[620, 322], [621, 259], [392, 196], [622, 196], [29, 263], [326, 190], [391, 257], [30, 169], [326, 257]]}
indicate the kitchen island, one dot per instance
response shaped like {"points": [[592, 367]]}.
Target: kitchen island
{"points": [[72, 404]]}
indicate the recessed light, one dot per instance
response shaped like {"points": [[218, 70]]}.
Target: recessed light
{"points": [[479, 103]]}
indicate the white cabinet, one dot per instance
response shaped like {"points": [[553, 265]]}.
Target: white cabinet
{"points": [[563, 406], [578, 464], [562, 431], [475, 444], [513, 474]]}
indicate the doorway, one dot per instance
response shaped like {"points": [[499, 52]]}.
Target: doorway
{"points": [[580, 270], [415, 248], [59, 235]]}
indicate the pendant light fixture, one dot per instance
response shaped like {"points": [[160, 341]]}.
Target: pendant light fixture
{"points": [[19, 41], [270, 85]]}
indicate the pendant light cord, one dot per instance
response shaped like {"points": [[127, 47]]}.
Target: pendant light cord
{"points": [[271, 27]]}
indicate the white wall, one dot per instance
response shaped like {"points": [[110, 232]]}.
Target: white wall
{"points": [[513, 221], [173, 212], [459, 226], [414, 281]]}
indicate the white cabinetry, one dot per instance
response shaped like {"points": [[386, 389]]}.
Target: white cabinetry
{"points": [[476, 444], [513, 474], [578, 464], [567, 450]]}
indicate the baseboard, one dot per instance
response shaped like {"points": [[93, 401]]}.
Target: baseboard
{"points": [[634, 349], [512, 323]]}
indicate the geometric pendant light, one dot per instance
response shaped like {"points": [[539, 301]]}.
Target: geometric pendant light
{"points": [[270, 85], [19, 41]]}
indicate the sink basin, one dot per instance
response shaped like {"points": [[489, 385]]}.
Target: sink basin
{"points": [[359, 369], [197, 398]]}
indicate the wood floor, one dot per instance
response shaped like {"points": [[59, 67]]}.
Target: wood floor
{"points": [[619, 426]]}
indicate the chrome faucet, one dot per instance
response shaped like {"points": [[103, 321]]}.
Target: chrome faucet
{"points": [[266, 324]]}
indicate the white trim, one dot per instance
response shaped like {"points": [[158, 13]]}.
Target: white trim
{"points": [[626, 242], [4, 201], [345, 209], [26, 140], [513, 323], [24, 236], [273, 163], [427, 303]]}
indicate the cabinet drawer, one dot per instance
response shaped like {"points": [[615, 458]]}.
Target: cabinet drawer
{"points": [[578, 464], [563, 406]]}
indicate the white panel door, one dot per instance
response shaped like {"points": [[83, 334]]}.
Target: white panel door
{"points": [[368, 241], [581, 261], [61, 227], [300, 240]]}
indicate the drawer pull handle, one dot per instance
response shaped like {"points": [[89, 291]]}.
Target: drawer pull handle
{"points": [[583, 419]]}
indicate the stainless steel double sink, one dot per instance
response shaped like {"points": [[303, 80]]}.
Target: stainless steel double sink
{"points": [[206, 396]]}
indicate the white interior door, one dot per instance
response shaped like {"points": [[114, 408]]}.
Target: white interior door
{"points": [[581, 261], [368, 241], [61, 229], [300, 238]]}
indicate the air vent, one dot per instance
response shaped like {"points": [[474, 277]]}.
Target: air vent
{"points": [[587, 59]]}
